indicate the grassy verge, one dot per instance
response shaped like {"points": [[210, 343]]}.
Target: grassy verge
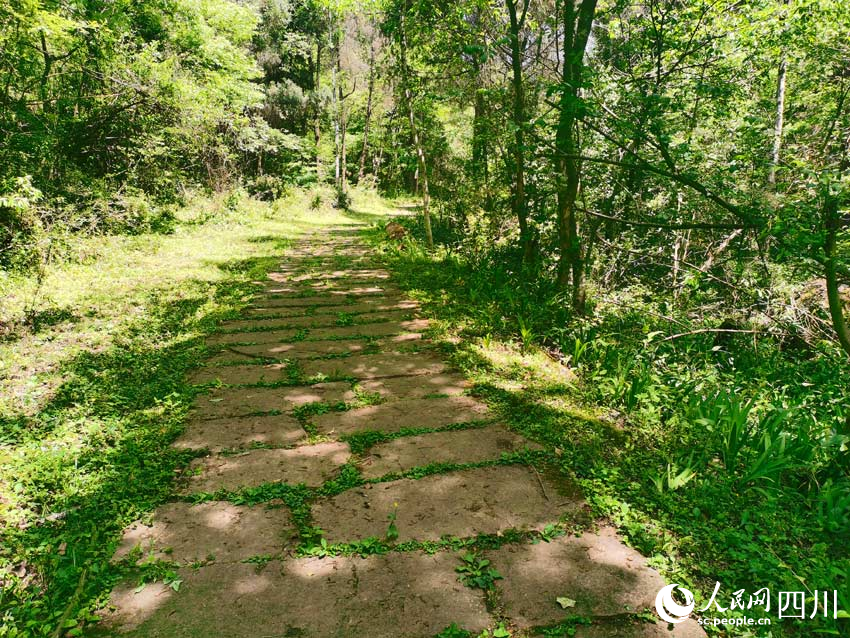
{"points": [[93, 362], [722, 461]]}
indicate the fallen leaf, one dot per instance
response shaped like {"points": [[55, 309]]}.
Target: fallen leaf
{"points": [[565, 603]]}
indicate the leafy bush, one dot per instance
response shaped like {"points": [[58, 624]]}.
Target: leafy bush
{"points": [[19, 222], [266, 187]]}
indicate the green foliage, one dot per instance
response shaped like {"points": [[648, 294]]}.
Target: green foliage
{"points": [[109, 111], [453, 631], [392, 530], [475, 571]]}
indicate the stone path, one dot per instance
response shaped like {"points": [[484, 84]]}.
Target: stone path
{"points": [[342, 466]]}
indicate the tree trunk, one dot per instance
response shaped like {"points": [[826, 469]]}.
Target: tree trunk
{"points": [[780, 121], [45, 74], [336, 93], [342, 124], [577, 25], [343, 151], [833, 286], [317, 122], [714, 254], [422, 166], [519, 203], [368, 116], [479, 133]]}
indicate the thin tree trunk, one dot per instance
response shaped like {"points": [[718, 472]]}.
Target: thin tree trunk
{"points": [[342, 172], [317, 122], [479, 133], [577, 25], [519, 202], [833, 286], [337, 97], [680, 249], [45, 74], [422, 165], [343, 150], [368, 116], [714, 254], [780, 121]]}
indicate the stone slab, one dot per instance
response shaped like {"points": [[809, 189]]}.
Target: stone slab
{"points": [[411, 595], [307, 321], [285, 301], [687, 629], [257, 336], [233, 402], [466, 503], [278, 352], [348, 273], [396, 415], [370, 329], [267, 307], [241, 432], [417, 387], [311, 349], [320, 286], [308, 464], [603, 575], [242, 374], [355, 291], [375, 366], [209, 531], [295, 350], [456, 446]]}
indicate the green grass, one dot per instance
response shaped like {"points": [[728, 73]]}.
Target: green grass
{"points": [[93, 392]]}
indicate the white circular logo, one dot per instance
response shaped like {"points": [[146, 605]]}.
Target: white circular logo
{"points": [[669, 609]]}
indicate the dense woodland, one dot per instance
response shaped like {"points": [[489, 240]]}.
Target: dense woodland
{"points": [[655, 193]]}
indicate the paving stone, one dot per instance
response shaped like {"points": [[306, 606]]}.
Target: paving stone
{"points": [[304, 321], [241, 432], [375, 366], [257, 336], [247, 401], [396, 415], [268, 307], [603, 575], [465, 503], [301, 302], [308, 464], [364, 290], [339, 288], [687, 629], [295, 350], [371, 329], [247, 374], [308, 349], [215, 530], [356, 291], [411, 595], [417, 387], [231, 402], [349, 273], [308, 283], [457, 446]]}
